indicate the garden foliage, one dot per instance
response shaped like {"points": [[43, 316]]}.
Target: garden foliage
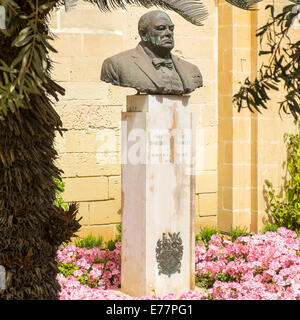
{"points": [[60, 188], [259, 267], [111, 244], [91, 267], [282, 68], [206, 233], [90, 242], [237, 232], [285, 212]]}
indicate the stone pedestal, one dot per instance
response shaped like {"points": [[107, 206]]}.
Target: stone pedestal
{"points": [[157, 195]]}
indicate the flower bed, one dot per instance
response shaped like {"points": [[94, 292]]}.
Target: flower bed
{"points": [[261, 267]]}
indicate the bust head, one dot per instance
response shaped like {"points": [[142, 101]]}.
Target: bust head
{"points": [[157, 32]]}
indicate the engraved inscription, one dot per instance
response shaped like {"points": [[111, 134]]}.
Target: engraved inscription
{"points": [[162, 142]]}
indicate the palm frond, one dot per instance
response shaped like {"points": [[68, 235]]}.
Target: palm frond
{"points": [[244, 4], [192, 10]]}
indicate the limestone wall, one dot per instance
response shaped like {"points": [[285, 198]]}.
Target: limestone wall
{"points": [[251, 147], [89, 152], [236, 152]]}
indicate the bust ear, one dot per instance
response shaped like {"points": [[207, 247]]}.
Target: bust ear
{"points": [[143, 35]]}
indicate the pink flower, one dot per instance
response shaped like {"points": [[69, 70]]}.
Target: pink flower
{"points": [[262, 267], [107, 275], [216, 241], [110, 265], [78, 273]]}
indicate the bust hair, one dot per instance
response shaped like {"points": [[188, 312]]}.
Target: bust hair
{"points": [[146, 18]]}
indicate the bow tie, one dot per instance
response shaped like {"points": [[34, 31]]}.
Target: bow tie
{"points": [[157, 62]]}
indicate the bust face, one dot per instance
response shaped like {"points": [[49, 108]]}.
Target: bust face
{"points": [[160, 33]]}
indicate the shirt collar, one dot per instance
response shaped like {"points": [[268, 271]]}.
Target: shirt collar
{"points": [[150, 53]]}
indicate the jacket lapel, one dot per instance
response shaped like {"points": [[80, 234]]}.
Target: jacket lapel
{"points": [[180, 70], [145, 64]]}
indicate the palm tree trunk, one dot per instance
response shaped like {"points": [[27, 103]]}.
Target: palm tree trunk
{"points": [[31, 227]]}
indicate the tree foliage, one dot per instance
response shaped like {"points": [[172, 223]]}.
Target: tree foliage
{"points": [[285, 212], [282, 68], [24, 64]]}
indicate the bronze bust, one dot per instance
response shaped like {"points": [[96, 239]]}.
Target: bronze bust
{"points": [[150, 67]]}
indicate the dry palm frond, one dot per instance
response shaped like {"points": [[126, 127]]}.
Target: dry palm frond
{"points": [[244, 4], [192, 10]]}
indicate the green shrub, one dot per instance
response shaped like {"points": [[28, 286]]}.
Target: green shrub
{"points": [[67, 269], [237, 232], [111, 244], [269, 227], [285, 212], [60, 188], [205, 234], [204, 280], [89, 242]]}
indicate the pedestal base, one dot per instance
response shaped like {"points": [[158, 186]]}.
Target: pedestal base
{"points": [[157, 196]]}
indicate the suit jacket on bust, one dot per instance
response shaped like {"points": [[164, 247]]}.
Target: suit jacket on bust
{"points": [[134, 68]]}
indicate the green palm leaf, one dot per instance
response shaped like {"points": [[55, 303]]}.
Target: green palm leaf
{"points": [[192, 10]]}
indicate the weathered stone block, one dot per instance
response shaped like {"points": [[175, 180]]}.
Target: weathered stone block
{"points": [[114, 187], [202, 222], [84, 213], [68, 45], [86, 165], [108, 232], [86, 91], [108, 117], [105, 212], [92, 19], [102, 46], [206, 181], [73, 116], [207, 204], [84, 69], [194, 47], [86, 189]]}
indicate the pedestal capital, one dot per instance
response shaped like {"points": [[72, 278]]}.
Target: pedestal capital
{"points": [[148, 102]]}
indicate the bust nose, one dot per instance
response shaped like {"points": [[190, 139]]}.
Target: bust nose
{"points": [[168, 32]]}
